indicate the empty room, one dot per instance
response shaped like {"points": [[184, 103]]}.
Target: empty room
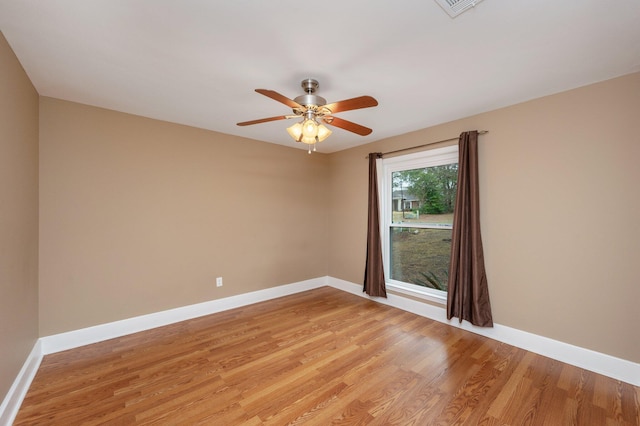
{"points": [[271, 213]]}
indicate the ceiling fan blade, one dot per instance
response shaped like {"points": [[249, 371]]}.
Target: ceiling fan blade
{"points": [[347, 125], [351, 104], [265, 120], [280, 98]]}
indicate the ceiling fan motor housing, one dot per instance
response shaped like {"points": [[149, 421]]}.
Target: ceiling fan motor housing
{"points": [[306, 100]]}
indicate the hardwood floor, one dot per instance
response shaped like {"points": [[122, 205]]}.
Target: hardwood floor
{"points": [[320, 357]]}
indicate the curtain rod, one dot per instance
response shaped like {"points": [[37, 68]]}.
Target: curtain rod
{"points": [[480, 132]]}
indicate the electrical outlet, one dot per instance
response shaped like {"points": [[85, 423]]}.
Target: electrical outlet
{"points": [[219, 282]]}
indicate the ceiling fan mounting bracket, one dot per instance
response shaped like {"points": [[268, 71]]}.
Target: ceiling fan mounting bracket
{"points": [[309, 85]]}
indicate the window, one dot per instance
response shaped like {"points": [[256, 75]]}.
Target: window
{"points": [[419, 192]]}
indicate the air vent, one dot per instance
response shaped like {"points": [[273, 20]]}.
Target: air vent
{"points": [[456, 7]]}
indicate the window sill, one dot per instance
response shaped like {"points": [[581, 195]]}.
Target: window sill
{"points": [[418, 293]]}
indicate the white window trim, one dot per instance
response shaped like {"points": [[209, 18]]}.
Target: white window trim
{"points": [[386, 167]]}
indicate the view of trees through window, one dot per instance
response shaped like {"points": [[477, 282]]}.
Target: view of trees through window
{"points": [[422, 206]]}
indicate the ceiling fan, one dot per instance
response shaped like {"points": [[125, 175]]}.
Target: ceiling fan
{"points": [[314, 110]]}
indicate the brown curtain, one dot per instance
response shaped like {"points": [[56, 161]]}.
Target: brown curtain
{"points": [[468, 293], [374, 269]]}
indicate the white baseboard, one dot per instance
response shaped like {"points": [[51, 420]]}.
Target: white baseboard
{"points": [[85, 336], [12, 401], [617, 368], [607, 365]]}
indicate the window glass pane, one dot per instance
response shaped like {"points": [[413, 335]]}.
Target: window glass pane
{"points": [[420, 256], [424, 196]]}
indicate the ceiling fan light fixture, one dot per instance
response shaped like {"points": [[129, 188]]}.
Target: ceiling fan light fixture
{"points": [[309, 132]]}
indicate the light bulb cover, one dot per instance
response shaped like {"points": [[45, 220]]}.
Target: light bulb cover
{"points": [[295, 131], [323, 132], [309, 129]]}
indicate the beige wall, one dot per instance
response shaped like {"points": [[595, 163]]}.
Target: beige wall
{"points": [[560, 204], [139, 216], [18, 216]]}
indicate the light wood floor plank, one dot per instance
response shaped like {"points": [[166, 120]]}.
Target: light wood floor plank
{"points": [[320, 357]]}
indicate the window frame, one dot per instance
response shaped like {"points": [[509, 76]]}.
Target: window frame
{"points": [[418, 160]]}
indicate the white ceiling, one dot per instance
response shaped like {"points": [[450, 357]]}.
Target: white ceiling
{"points": [[198, 62]]}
